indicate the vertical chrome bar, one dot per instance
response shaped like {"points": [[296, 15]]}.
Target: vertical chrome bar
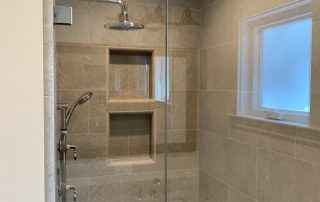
{"points": [[63, 133]]}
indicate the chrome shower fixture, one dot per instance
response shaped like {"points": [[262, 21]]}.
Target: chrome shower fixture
{"points": [[124, 24], [81, 100]]}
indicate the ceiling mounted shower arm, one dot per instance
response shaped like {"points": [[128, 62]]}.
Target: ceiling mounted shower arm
{"points": [[118, 2], [122, 4]]}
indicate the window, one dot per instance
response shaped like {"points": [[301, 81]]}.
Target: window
{"points": [[275, 64], [285, 66]]}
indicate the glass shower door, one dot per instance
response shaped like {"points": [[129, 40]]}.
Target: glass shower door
{"points": [[119, 133]]}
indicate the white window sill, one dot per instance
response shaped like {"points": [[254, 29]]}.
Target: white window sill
{"points": [[279, 122]]}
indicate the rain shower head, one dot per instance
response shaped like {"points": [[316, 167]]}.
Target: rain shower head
{"points": [[124, 24], [81, 100]]}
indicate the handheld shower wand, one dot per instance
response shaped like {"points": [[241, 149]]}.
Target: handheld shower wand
{"points": [[81, 100]]}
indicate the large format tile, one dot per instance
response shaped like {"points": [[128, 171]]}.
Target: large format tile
{"points": [[94, 167], [184, 109], [82, 189], [233, 163], [215, 22], [308, 145], [184, 27], [81, 67], [185, 185], [211, 190], [203, 151], [78, 32], [203, 69], [268, 135], [214, 106], [283, 179], [88, 146], [221, 67], [184, 68]]}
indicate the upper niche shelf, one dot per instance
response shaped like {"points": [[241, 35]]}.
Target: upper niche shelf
{"points": [[130, 75]]}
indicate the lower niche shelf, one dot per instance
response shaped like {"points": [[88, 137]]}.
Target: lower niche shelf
{"points": [[130, 161], [131, 138]]}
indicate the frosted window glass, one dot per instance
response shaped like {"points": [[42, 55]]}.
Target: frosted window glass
{"points": [[285, 74]]}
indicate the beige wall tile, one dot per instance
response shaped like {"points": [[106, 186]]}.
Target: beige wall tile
{"points": [[97, 125], [275, 137], [205, 3], [308, 145], [214, 106], [203, 151], [285, 179], [88, 146], [221, 69], [211, 189], [215, 21], [184, 69], [315, 75], [315, 10], [184, 110], [314, 114], [118, 144], [78, 32], [127, 187], [97, 105], [203, 69], [184, 27], [82, 186], [232, 162], [185, 3], [185, 185], [81, 67], [94, 167], [236, 196], [183, 160], [139, 143]]}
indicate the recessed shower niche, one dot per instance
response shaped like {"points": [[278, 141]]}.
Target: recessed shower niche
{"points": [[130, 75], [131, 138]]}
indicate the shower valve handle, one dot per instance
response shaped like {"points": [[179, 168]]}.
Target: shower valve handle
{"points": [[74, 148], [72, 187], [63, 147]]}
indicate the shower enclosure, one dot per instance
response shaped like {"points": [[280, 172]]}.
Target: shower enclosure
{"points": [[136, 136], [188, 101]]}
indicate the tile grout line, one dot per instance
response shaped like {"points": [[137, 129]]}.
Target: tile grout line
{"points": [[230, 186]]}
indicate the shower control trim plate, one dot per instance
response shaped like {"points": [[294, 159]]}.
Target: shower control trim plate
{"points": [[62, 15]]}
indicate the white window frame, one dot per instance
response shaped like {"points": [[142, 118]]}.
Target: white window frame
{"points": [[249, 72]]}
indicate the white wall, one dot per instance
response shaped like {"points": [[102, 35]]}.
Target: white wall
{"points": [[21, 101]]}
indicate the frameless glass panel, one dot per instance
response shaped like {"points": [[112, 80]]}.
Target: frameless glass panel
{"points": [[286, 62], [119, 134]]}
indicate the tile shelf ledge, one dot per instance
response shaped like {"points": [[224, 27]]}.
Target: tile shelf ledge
{"points": [[130, 161], [132, 101], [278, 122]]}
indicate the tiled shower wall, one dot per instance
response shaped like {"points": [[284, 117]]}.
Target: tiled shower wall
{"points": [[82, 65], [243, 159]]}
